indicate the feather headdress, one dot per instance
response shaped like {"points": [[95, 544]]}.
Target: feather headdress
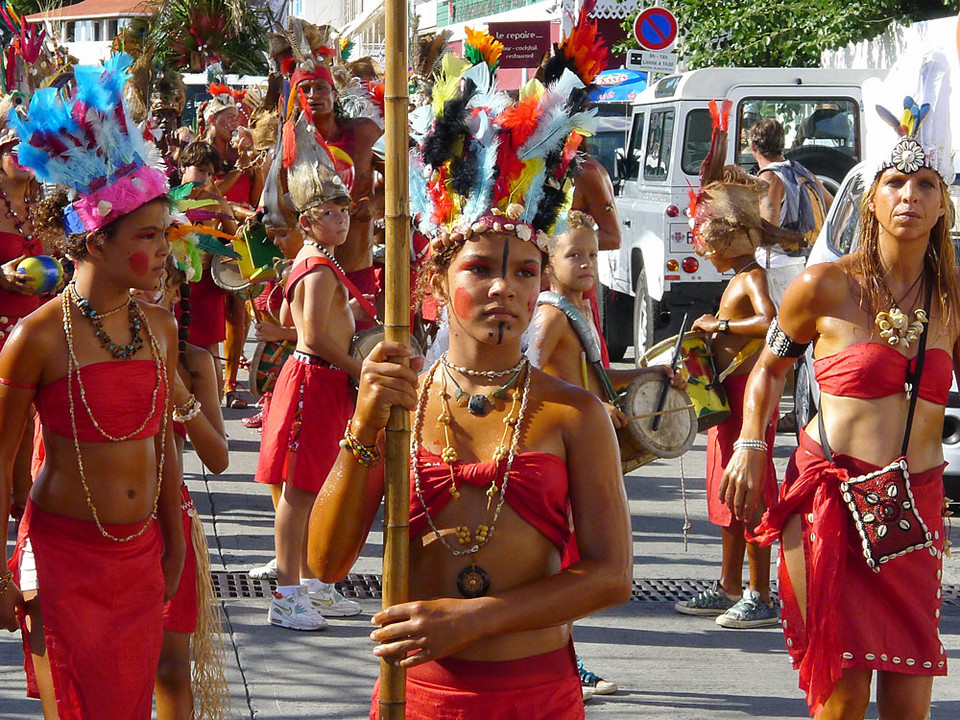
{"points": [[920, 136], [486, 164], [315, 171], [582, 51], [725, 212], [88, 144]]}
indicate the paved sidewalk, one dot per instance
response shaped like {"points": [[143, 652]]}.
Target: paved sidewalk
{"points": [[667, 665]]}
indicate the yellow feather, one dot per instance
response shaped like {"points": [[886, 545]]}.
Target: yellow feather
{"points": [[446, 84], [533, 87], [531, 169]]}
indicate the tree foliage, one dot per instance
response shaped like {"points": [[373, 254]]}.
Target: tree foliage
{"points": [[782, 33]]}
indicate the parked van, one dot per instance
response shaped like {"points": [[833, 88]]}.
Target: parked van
{"points": [[655, 277]]}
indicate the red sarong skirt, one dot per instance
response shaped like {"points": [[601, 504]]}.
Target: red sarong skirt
{"points": [[856, 618], [180, 611], [308, 413], [102, 614], [720, 439], [540, 687]]}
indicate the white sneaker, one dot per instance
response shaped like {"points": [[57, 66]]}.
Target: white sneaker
{"points": [[264, 572], [328, 601], [295, 611]]}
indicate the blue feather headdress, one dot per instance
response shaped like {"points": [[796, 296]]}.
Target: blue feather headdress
{"points": [[484, 163], [87, 143]]}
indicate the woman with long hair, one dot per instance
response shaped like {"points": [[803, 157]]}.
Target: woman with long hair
{"points": [[860, 518], [101, 543], [503, 455]]}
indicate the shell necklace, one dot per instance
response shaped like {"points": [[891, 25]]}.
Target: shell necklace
{"points": [[473, 581], [894, 324]]}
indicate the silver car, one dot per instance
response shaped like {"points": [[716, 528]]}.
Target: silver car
{"points": [[837, 238]]}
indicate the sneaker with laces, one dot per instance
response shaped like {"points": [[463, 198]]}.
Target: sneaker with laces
{"points": [[264, 572], [295, 611], [328, 601], [712, 601], [587, 693], [750, 612], [594, 682]]}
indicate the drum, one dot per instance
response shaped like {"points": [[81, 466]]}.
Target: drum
{"points": [[226, 274], [365, 340], [265, 366], [257, 253], [639, 442], [696, 366]]}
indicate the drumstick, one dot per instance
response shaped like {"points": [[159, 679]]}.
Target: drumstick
{"points": [[673, 367], [661, 412]]}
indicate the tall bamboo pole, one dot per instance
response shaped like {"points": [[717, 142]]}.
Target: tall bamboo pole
{"points": [[396, 545]]}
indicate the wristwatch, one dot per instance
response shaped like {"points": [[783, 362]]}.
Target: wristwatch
{"points": [[723, 326]]}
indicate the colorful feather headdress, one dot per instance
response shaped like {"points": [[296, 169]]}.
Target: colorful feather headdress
{"points": [[486, 164], [581, 51], [920, 137], [87, 143]]}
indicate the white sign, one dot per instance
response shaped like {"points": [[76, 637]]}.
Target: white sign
{"points": [[659, 62]]}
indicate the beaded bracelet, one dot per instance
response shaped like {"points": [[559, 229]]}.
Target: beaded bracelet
{"points": [[188, 411], [5, 578], [366, 455], [750, 445]]}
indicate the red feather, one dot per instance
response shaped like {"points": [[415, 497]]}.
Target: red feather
{"points": [[440, 197], [569, 151], [519, 121], [584, 46], [289, 144]]}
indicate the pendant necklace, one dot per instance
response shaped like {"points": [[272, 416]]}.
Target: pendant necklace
{"points": [[479, 404], [473, 581], [895, 326]]}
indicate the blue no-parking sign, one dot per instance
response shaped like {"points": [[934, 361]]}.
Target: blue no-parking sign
{"points": [[655, 29]]}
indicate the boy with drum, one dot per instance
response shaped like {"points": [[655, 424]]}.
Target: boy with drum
{"points": [[313, 398], [564, 333], [727, 230]]}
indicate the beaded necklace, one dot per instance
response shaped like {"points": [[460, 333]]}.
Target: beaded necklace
{"points": [[29, 240], [327, 253], [73, 366], [473, 581], [119, 352], [479, 403]]}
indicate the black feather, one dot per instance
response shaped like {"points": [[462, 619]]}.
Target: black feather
{"points": [[549, 209], [450, 127], [463, 170]]}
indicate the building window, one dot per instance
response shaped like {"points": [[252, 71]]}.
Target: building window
{"points": [[296, 8], [70, 32], [112, 29], [97, 31]]}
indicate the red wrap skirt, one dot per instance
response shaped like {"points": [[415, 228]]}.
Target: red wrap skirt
{"points": [[856, 618], [720, 439], [180, 611], [102, 614], [540, 687], [208, 316], [309, 410]]}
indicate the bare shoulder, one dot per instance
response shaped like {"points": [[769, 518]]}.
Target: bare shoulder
{"points": [[577, 408], [365, 129], [37, 337], [160, 319], [824, 284]]}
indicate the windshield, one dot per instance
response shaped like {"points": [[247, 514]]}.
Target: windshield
{"points": [[807, 123]]}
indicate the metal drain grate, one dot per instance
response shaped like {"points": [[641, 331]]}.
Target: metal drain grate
{"points": [[236, 585]]}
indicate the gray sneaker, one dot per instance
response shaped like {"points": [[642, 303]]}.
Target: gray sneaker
{"points": [[750, 612], [712, 601]]}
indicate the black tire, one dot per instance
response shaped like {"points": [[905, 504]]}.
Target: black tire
{"points": [[803, 402], [642, 319], [616, 349], [823, 161]]}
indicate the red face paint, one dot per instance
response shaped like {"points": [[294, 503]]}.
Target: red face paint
{"points": [[140, 263], [462, 303], [531, 305]]}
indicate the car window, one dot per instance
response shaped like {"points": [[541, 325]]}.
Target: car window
{"points": [[696, 140], [636, 145], [843, 230], [808, 123], [659, 142]]}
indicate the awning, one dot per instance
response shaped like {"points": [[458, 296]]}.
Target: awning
{"points": [[362, 21], [95, 9], [618, 85]]}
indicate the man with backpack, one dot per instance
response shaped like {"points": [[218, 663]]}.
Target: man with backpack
{"points": [[796, 200]]}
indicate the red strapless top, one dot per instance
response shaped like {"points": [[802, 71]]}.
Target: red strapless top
{"points": [[537, 490], [871, 370], [118, 393]]}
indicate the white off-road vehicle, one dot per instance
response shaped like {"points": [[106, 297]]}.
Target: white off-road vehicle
{"points": [[655, 277]]}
